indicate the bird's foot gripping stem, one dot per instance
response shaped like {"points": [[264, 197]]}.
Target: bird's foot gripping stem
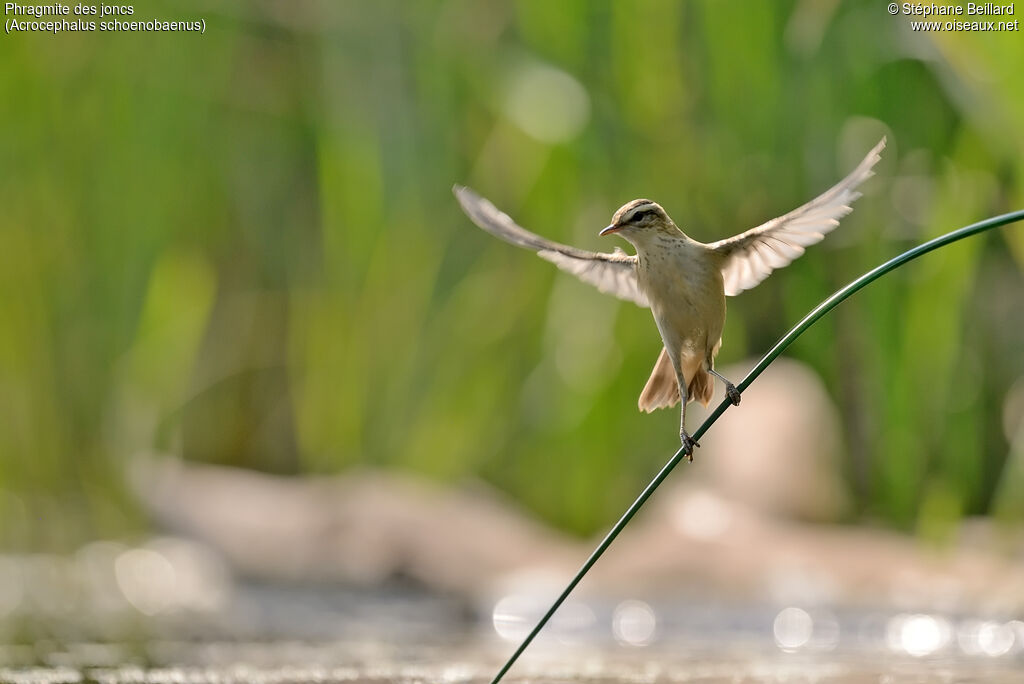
{"points": [[730, 389], [688, 444]]}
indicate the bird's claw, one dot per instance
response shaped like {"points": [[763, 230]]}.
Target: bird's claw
{"points": [[732, 393], [688, 444]]}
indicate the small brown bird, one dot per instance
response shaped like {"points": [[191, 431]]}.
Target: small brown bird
{"points": [[683, 281]]}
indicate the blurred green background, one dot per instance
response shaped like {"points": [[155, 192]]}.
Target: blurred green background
{"points": [[242, 248]]}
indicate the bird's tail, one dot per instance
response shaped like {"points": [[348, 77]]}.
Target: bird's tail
{"points": [[662, 390], [701, 386]]}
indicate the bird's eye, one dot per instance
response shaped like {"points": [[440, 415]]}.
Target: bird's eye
{"points": [[639, 216]]}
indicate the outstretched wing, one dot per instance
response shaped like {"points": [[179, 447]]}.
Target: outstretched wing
{"points": [[751, 256], [613, 274]]}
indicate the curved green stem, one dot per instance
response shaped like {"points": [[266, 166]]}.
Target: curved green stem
{"points": [[780, 346]]}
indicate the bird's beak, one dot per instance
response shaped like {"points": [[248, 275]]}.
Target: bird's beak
{"points": [[610, 229]]}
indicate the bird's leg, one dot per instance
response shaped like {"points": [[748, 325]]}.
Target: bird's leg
{"points": [[688, 442], [730, 389]]}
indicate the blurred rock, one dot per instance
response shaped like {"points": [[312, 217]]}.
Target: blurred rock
{"points": [[779, 450], [365, 527]]}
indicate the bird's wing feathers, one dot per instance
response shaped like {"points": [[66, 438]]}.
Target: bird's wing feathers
{"points": [[751, 256], [613, 273]]}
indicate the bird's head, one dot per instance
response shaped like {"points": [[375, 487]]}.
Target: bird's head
{"points": [[639, 220]]}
